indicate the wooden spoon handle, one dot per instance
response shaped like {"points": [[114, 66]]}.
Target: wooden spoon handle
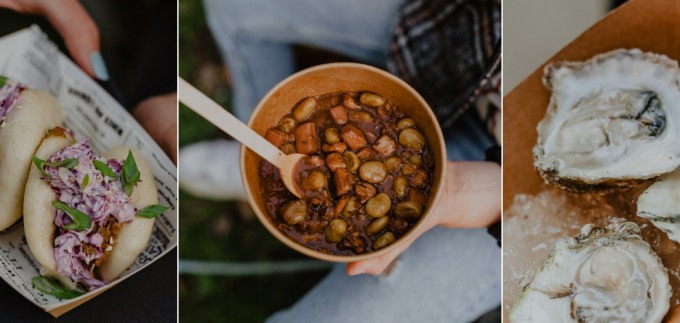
{"points": [[220, 117]]}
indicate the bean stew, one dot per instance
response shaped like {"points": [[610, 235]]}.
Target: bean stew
{"points": [[367, 178]]}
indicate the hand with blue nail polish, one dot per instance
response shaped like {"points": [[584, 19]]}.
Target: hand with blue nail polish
{"points": [[74, 24], [471, 199]]}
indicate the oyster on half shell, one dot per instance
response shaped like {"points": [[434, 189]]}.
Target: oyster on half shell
{"points": [[611, 121], [602, 275], [660, 203]]}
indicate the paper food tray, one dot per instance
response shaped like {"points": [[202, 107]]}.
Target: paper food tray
{"points": [[650, 25], [29, 57]]}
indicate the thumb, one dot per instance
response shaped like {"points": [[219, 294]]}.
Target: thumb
{"points": [[80, 33]]}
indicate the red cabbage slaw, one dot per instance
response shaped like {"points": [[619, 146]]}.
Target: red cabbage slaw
{"points": [[100, 197], [9, 95]]}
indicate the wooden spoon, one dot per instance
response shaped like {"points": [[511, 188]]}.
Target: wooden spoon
{"points": [[213, 112]]}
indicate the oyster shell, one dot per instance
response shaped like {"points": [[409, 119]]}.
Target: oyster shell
{"points": [[660, 203], [602, 275], [612, 120]]}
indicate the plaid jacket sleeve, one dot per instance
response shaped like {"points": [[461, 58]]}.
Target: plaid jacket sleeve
{"points": [[449, 51]]}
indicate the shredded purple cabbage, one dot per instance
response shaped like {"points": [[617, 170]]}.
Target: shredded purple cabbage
{"points": [[9, 95], [103, 197]]}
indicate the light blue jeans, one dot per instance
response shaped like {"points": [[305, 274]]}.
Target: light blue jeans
{"points": [[448, 275]]}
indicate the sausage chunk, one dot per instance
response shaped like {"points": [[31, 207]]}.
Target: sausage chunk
{"points": [[335, 161], [307, 139], [338, 147], [343, 181], [420, 179], [276, 137], [339, 115], [366, 154], [365, 191], [353, 136], [349, 103], [385, 146]]}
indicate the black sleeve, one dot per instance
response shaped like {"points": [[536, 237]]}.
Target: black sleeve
{"points": [[494, 154]]}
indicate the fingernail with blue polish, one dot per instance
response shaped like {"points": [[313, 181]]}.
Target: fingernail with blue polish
{"points": [[99, 66]]}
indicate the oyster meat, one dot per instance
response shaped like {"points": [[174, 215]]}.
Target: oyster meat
{"points": [[611, 121], [601, 275], [660, 203]]}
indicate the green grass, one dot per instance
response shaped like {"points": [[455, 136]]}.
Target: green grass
{"points": [[248, 299], [219, 231], [215, 231]]}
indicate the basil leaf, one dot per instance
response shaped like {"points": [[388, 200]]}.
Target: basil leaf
{"points": [[3, 80], [152, 211], [66, 163], [86, 180], [54, 287], [104, 169], [130, 174], [80, 220]]}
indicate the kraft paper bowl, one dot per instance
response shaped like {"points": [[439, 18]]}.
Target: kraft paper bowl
{"points": [[330, 78]]}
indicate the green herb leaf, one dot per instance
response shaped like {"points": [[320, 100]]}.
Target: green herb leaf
{"points": [[130, 174], [54, 287], [3, 80], [152, 211], [66, 163], [80, 220], [39, 163], [104, 169], [86, 180]]}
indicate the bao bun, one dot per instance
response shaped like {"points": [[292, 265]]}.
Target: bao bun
{"points": [[39, 214], [23, 129]]}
